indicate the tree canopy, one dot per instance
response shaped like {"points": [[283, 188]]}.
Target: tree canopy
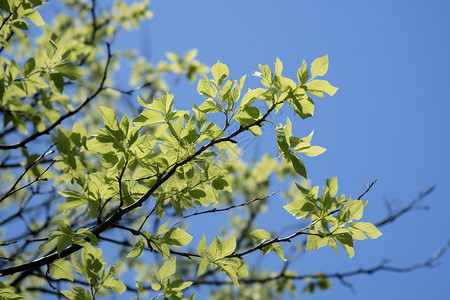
{"points": [[89, 168]]}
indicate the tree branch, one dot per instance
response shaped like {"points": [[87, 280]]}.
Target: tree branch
{"points": [[412, 205], [117, 215], [428, 263], [214, 210], [68, 114]]}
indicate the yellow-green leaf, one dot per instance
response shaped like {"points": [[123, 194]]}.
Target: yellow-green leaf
{"points": [[70, 71], [368, 228], [220, 72], [319, 66], [61, 269], [319, 85]]}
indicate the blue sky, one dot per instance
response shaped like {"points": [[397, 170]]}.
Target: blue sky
{"points": [[388, 121]]}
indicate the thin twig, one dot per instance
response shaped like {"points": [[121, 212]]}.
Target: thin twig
{"points": [[369, 187], [68, 114], [12, 190], [130, 92], [428, 263], [392, 217], [229, 207]]}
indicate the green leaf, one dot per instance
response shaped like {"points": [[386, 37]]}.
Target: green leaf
{"points": [[368, 228], [259, 236], [319, 85], [50, 49], [231, 273], [204, 262], [109, 118], [229, 246], [206, 89], [62, 242], [347, 243], [302, 73], [7, 6], [70, 71], [137, 249], [282, 141], [29, 66], [319, 66], [202, 248], [250, 96], [278, 66], [221, 184], [298, 165], [167, 269], [324, 283], [177, 236], [266, 75], [190, 55], [64, 227], [63, 143], [7, 293], [210, 106], [34, 17], [219, 72], [312, 151], [300, 208], [61, 269], [215, 249], [352, 210], [332, 186], [149, 117], [333, 244], [139, 287], [248, 115], [303, 105], [162, 229], [316, 242], [77, 293], [155, 286], [57, 83], [19, 24], [278, 250], [115, 284]]}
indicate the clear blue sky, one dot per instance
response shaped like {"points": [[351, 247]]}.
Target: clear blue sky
{"points": [[389, 120]]}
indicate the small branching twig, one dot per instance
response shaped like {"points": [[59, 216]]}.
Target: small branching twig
{"points": [[13, 189], [214, 210], [411, 206], [428, 263]]}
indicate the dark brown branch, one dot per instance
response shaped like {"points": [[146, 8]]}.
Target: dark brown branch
{"points": [[130, 92], [7, 131], [18, 164], [9, 16], [77, 281], [428, 263], [188, 188], [392, 217], [292, 236], [68, 114], [369, 187], [139, 233], [214, 210]]}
